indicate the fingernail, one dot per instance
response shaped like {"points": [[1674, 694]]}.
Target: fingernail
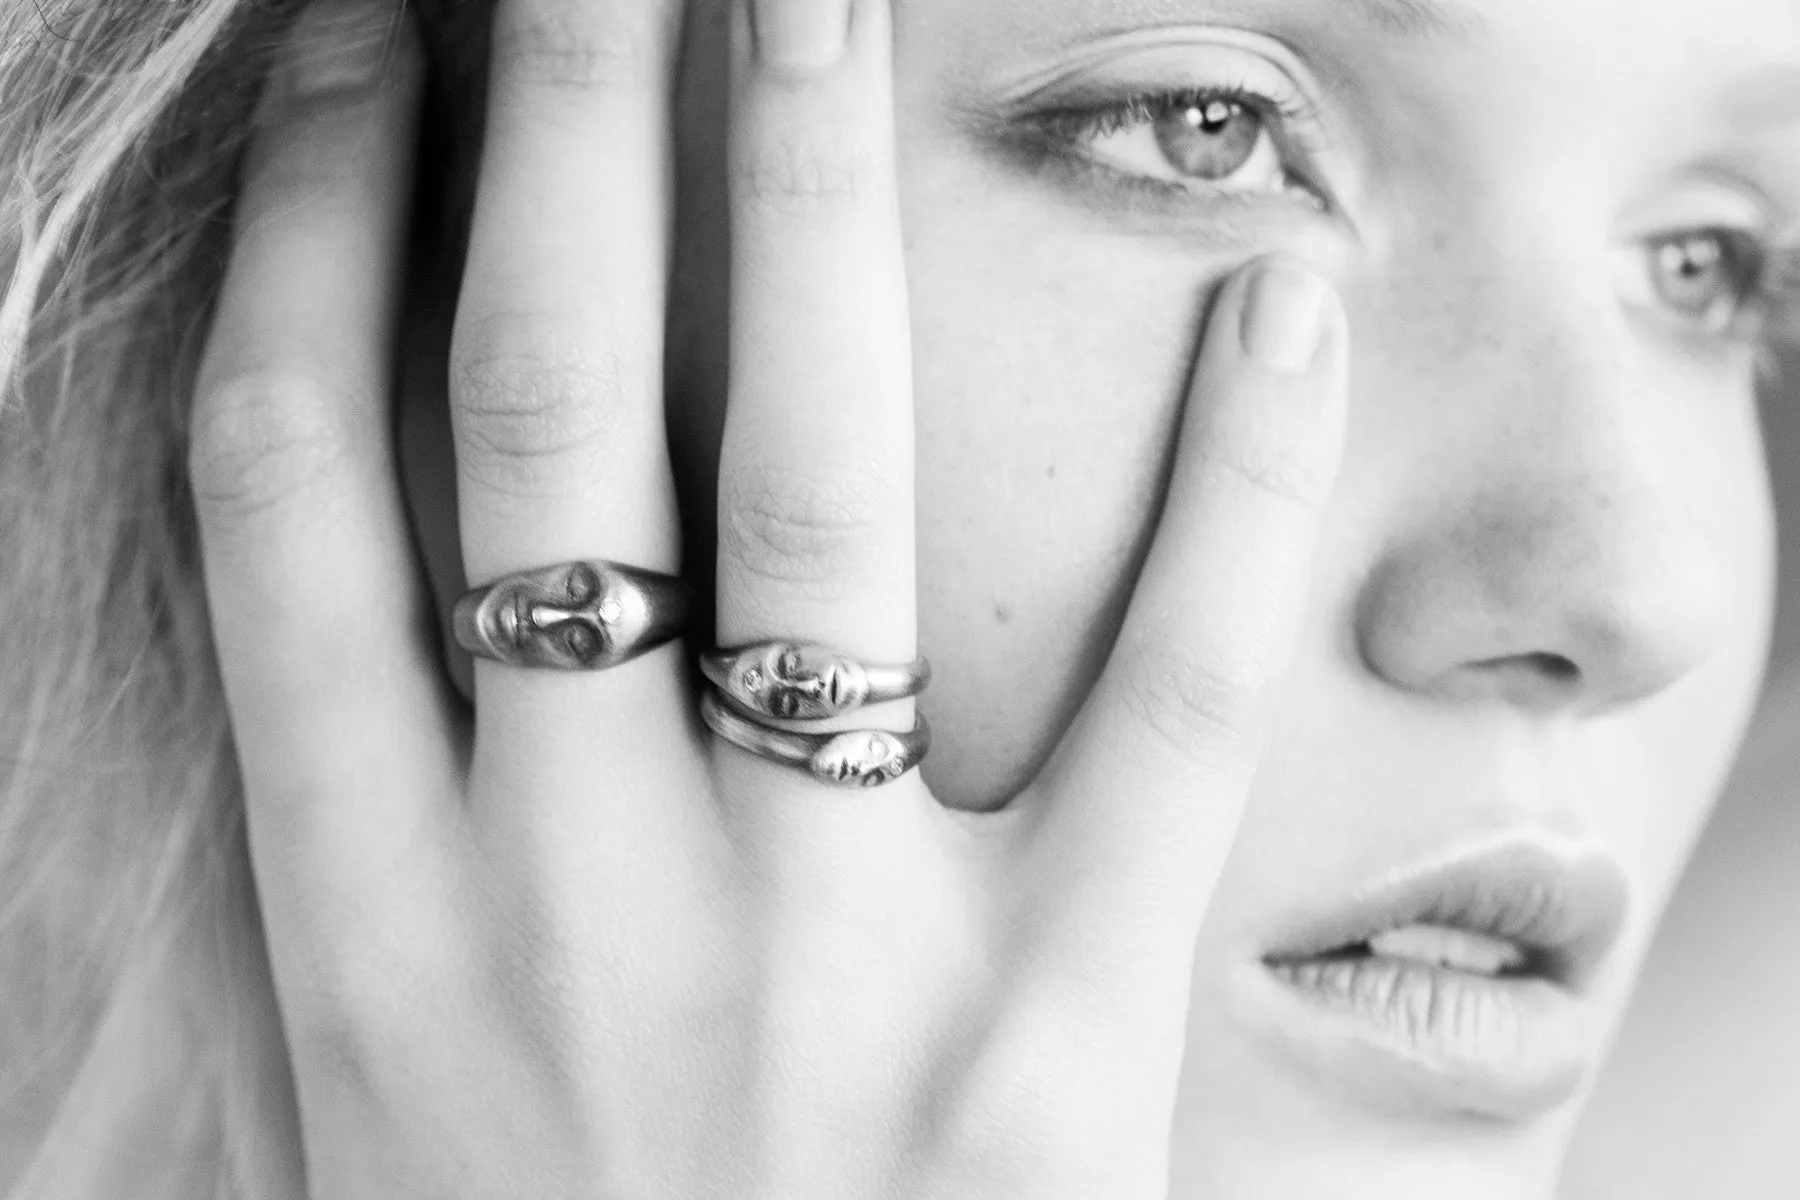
{"points": [[802, 36], [334, 47], [1284, 316]]}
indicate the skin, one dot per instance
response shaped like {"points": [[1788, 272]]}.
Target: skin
{"points": [[1540, 610], [1536, 467]]}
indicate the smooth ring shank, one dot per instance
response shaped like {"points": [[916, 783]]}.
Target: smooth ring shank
{"points": [[579, 616], [860, 758], [792, 681]]}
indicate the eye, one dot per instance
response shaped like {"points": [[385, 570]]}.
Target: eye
{"points": [[1210, 139], [1227, 141], [583, 585], [1705, 278], [581, 641]]}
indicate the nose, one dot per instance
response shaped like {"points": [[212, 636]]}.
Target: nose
{"points": [[1548, 556]]}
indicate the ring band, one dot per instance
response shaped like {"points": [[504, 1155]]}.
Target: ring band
{"points": [[590, 615], [860, 758], [792, 681]]}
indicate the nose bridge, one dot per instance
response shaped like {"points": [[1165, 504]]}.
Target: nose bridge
{"points": [[1558, 564]]}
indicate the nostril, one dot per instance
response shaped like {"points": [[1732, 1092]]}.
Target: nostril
{"points": [[1534, 680], [1553, 667]]}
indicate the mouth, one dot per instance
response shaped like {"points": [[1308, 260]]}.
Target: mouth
{"points": [[1461, 986]]}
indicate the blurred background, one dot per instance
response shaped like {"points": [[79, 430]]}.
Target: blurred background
{"points": [[1702, 1094]]}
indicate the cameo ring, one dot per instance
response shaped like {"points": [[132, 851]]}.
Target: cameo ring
{"points": [[795, 682], [866, 758], [591, 615]]}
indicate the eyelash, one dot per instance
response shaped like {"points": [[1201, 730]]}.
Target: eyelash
{"points": [[1146, 107]]}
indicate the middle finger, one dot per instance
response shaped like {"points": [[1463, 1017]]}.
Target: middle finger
{"points": [[557, 362], [557, 358]]}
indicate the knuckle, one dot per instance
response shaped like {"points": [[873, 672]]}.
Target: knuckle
{"points": [[797, 176], [1264, 452], [260, 441], [317, 166], [1200, 703], [342, 1030], [557, 45], [340, 1052], [527, 414], [1020, 1106], [801, 528], [1267, 469]]}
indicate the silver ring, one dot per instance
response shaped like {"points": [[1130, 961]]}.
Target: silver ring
{"points": [[590, 615], [792, 681], [865, 758]]}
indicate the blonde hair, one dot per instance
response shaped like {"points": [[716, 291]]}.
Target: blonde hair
{"points": [[140, 1054]]}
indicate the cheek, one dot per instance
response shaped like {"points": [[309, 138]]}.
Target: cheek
{"points": [[1677, 755], [1051, 369]]}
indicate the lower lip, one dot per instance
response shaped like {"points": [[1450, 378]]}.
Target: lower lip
{"points": [[1434, 1040]]}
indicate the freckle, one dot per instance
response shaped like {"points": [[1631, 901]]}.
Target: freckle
{"points": [[1051, 473], [1003, 613]]}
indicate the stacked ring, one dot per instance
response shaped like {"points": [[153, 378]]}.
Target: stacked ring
{"points": [[859, 758], [807, 684]]}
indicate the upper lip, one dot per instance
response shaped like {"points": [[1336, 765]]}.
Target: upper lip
{"points": [[1563, 908]]}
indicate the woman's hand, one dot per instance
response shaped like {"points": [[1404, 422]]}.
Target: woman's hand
{"points": [[584, 948]]}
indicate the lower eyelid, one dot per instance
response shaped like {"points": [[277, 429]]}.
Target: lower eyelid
{"points": [[1221, 222]]}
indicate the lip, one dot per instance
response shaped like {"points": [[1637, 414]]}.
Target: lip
{"points": [[1511, 1046]]}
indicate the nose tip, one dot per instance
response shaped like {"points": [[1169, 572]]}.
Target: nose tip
{"points": [[1540, 620]]}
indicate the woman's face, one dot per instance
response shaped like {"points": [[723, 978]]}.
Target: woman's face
{"points": [[1542, 611]]}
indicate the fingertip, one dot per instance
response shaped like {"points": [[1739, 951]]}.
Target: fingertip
{"points": [[1277, 336], [800, 38], [1276, 313]]}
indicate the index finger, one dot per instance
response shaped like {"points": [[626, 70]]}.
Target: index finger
{"points": [[1143, 798]]}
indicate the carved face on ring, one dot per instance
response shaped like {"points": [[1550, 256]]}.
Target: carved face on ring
{"points": [[868, 757], [802, 683], [560, 618]]}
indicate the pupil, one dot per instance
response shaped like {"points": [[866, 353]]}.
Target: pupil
{"points": [[1210, 139]]}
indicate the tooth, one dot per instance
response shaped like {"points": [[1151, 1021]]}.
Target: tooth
{"points": [[1456, 949]]}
